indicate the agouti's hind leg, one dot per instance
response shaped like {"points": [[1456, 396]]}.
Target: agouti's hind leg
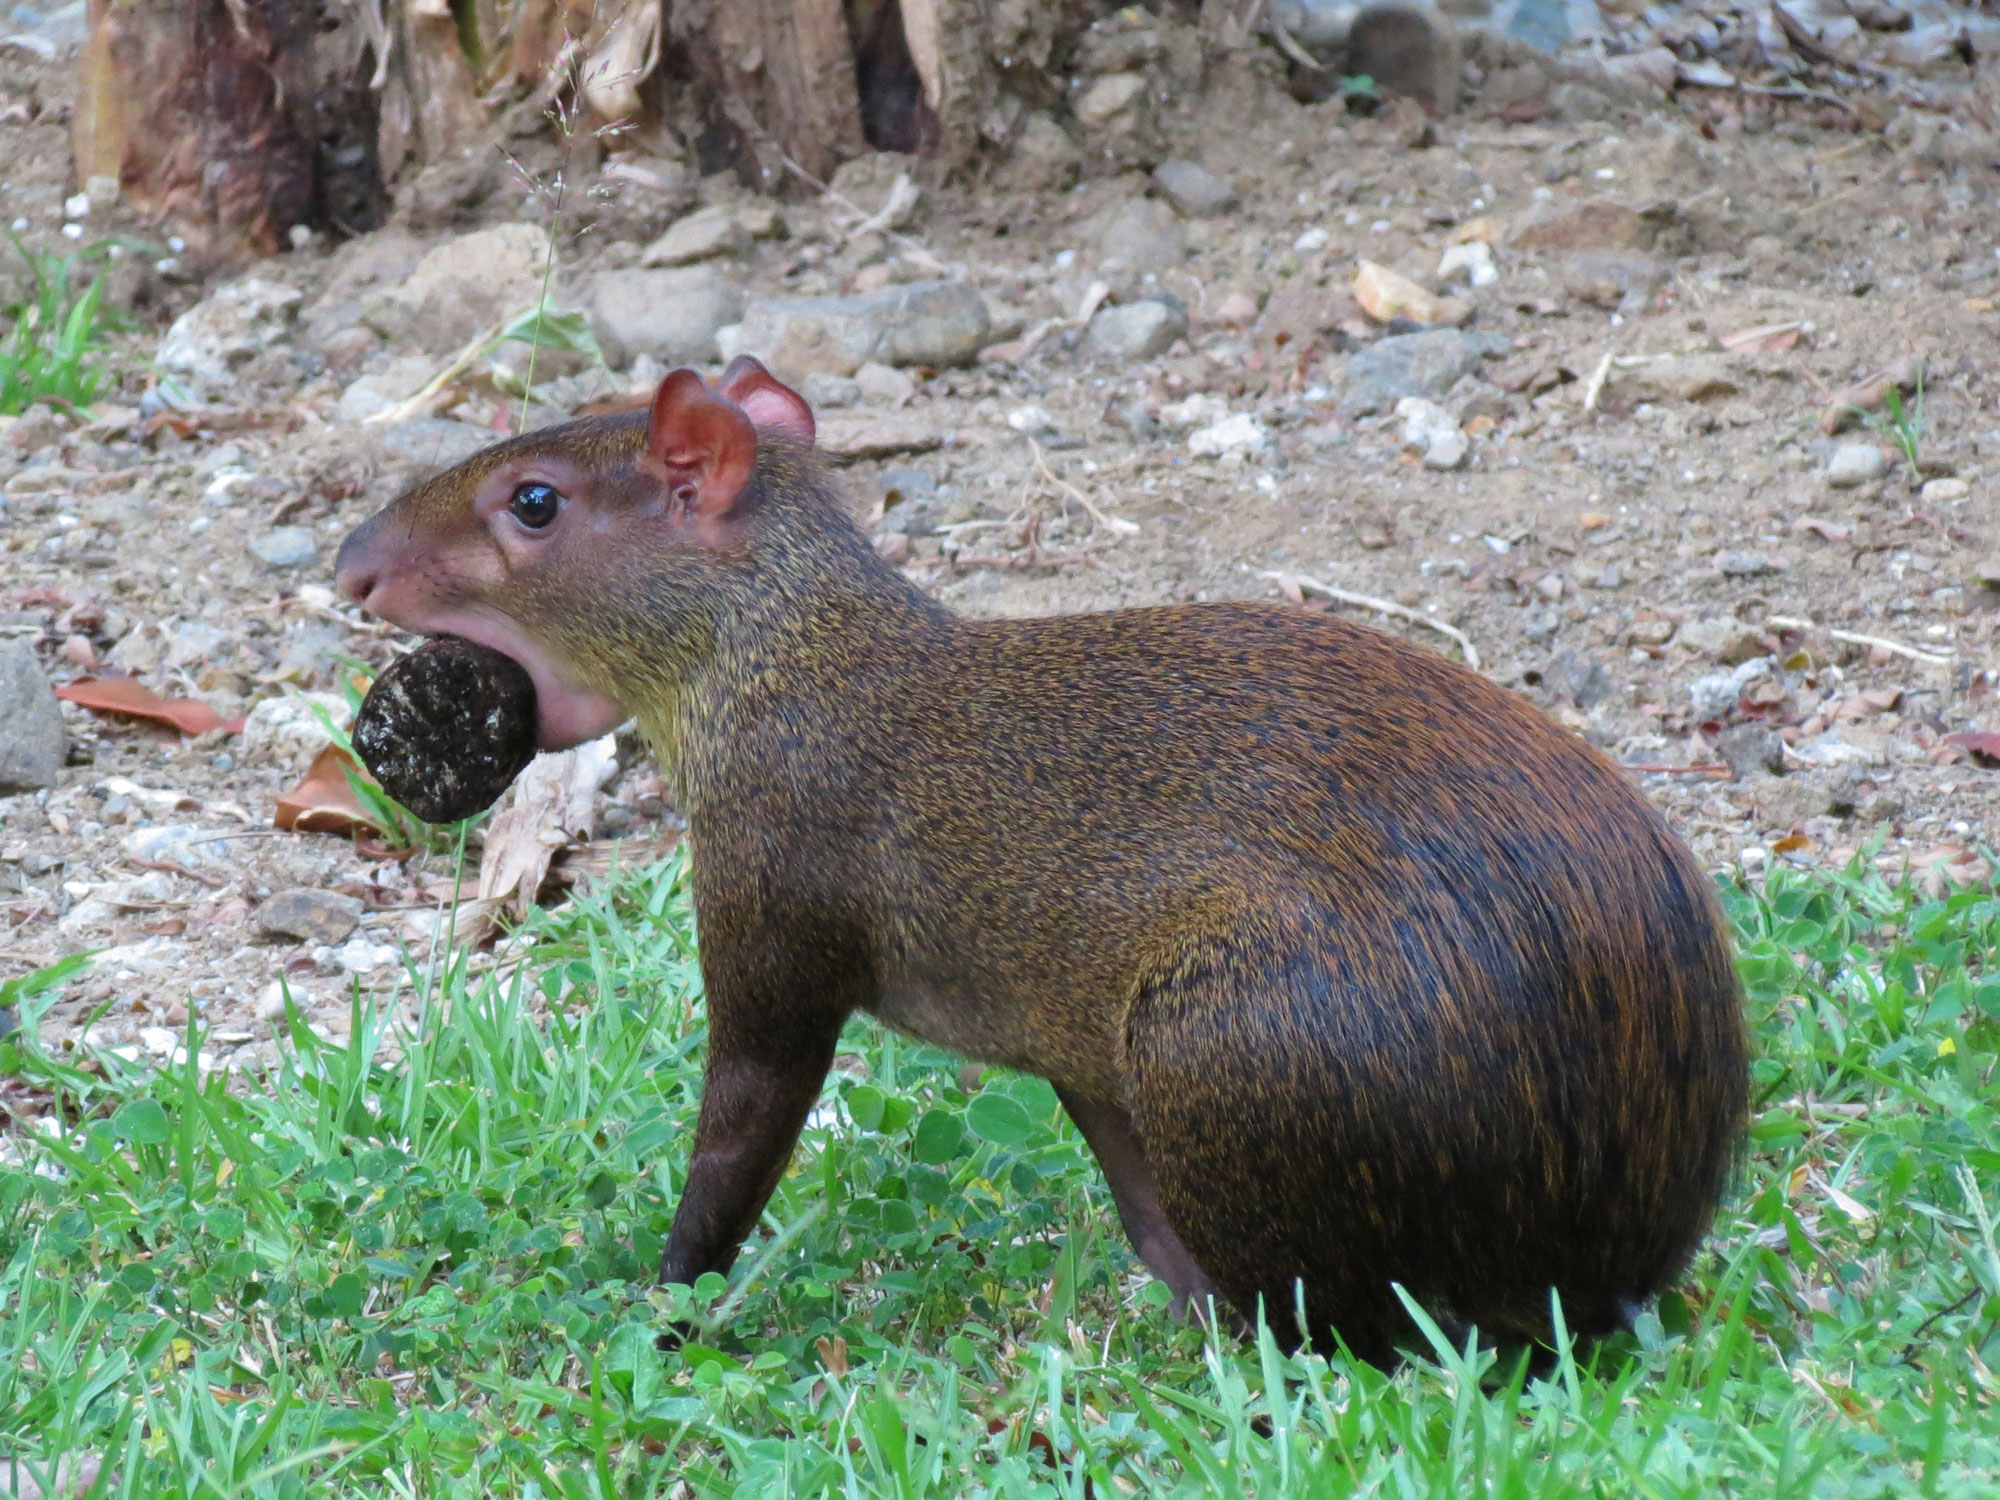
{"points": [[1108, 1128]]}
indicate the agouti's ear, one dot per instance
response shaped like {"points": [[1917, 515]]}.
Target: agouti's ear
{"points": [[706, 445], [766, 401]]}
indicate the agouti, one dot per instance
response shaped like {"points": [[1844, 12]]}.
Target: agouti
{"points": [[1351, 967]]}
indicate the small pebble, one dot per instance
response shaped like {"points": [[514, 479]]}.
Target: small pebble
{"points": [[1855, 464], [1942, 491]]}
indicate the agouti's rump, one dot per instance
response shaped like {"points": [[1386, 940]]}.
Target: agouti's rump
{"points": [[1398, 980], [1352, 968]]}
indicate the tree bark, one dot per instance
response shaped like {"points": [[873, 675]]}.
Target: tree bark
{"points": [[202, 110], [778, 76]]}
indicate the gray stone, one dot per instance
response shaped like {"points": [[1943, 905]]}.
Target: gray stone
{"points": [[672, 315], [1142, 236], [825, 392], [1588, 681], [884, 385], [432, 442], [1044, 157], [1138, 330], [394, 383], [1854, 464], [933, 323], [321, 918], [1726, 640], [1738, 562], [230, 326], [32, 744], [1751, 750], [1194, 189], [462, 286], [286, 547], [1413, 364], [702, 234]]}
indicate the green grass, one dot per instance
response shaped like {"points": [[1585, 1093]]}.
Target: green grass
{"points": [[57, 349], [418, 1264]]}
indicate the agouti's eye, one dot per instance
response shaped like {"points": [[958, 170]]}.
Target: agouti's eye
{"points": [[535, 505]]}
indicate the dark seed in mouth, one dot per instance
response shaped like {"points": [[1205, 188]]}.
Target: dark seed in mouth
{"points": [[447, 728]]}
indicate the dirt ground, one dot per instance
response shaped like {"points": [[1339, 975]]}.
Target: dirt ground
{"points": [[1643, 539]]}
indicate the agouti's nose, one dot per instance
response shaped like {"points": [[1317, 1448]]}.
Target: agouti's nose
{"points": [[355, 568]]}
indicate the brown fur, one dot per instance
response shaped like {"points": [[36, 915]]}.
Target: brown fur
{"points": [[1352, 967]]}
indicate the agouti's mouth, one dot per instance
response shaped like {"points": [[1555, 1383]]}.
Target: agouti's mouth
{"points": [[565, 713]]}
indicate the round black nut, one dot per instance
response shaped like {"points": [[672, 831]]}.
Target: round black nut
{"points": [[447, 728]]}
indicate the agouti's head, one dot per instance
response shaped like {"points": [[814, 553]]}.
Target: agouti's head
{"points": [[590, 552]]}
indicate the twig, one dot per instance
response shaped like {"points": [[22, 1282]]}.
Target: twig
{"points": [[1293, 50], [420, 403], [1118, 525], [1701, 768], [1856, 638], [1291, 582], [174, 867]]}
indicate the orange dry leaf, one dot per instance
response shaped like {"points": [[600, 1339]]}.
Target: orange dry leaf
{"points": [[1983, 747], [1765, 338], [324, 802], [127, 695]]}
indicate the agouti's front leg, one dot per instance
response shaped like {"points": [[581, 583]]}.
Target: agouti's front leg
{"points": [[756, 1093]]}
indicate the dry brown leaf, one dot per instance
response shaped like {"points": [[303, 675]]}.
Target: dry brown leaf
{"points": [[1983, 747], [1764, 338], [547, 809], [127, 695], [323, 802]]}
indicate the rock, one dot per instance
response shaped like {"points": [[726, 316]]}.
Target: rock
{"points": [[1107, 97], [288, 730], [396, 382], [1193, 188], [1472, 259], [1622, 280], [175, 843], [883, 385], [1035, 421], [1140, 235], [1202, 409], [1786, 802], [668, 315], [463, 286], [1138, 330], [32, 743], [824, 392], [1737, 562], [1413, 364], [1751, 750], [1429, 427], [881, 184], [1854, 464], [865, 434], [1726, 640], [431, 443], [1681, 377], [1409, 50], [934, 323], [1944, 491], [1386, 295], [1985, 572], [229, 327], [1653, 71], [1716, 694], [1605, 223], [704, 233], [1044, 158], [286, 547], [1586, 678], [321, 918], [1240, 433]]}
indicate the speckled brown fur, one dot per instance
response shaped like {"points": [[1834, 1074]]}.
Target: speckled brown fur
{"points": [[1352, 967]]}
